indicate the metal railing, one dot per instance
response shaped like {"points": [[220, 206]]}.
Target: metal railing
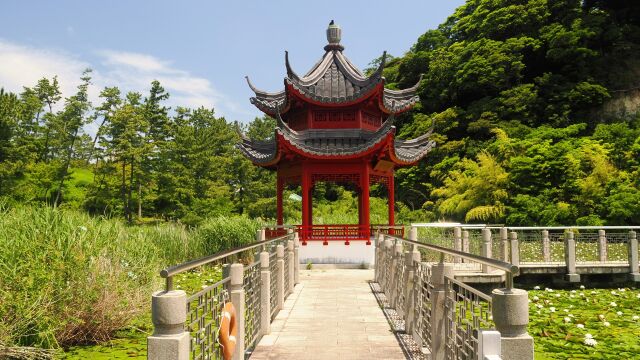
{"points": [[444, 315], [203, 309]]}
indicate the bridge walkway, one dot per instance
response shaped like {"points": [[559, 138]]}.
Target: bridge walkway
{"points": [[332, 314]]}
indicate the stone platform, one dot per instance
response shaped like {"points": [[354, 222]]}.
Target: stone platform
{"points": [[332, 314]]}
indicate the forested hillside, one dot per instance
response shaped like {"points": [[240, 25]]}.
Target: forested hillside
{"points": [[535, 108], [534, 104]]}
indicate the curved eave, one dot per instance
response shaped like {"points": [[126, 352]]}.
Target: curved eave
{"points": [[264, 154], [319, 154], [398, 101], [409, 152], [311, 98]]}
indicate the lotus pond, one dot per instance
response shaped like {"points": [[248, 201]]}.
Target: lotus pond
{"points": [[585, 323]]}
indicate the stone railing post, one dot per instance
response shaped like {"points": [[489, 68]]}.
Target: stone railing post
{"points": [[260, 235], [504, 241], [465, 243], [378, 268], [489, 345], [546, 246], [570, 257], [169, 314], [602, 245], [296, 258], [412, 258], [515, 248], [265, 301], [486, 248], [237, 299], [387, 254], [510, 311], [457, 242], [632, 245], [280, 288], [438, 313], [395, 295], [289, 266]]}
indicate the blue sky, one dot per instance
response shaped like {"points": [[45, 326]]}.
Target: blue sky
{"points": [[199, 50]]}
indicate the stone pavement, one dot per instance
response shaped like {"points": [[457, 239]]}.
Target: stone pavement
{"points": [[332, 314]]}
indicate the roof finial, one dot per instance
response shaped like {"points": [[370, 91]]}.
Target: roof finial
{"points": [[334, 33]]}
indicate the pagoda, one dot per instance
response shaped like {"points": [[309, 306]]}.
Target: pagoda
{"points": [[334, 124]]}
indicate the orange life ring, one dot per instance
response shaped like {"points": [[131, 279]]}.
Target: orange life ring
{"points": [[228, 331]]}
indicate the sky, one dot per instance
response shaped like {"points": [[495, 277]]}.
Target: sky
{"points": [[200, 51]]}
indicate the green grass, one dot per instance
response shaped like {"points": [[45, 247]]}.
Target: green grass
{"points": [[555, 317]]}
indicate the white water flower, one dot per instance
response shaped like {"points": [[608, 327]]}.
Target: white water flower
{"points": [[590, 342], [539, 306], [601, 317], [573, 291], [565, 310], [619, 313], [607, 324], [567, 319], [636, 317], [571, 295], [83, 228], [548, 289], [552, 309], [613, 303], [580, 326], [537, 287], [582, 294], [570, 315], [582, 287], [588, 336], [638, 296], [613, 292], [535, 298], [557, 295]]}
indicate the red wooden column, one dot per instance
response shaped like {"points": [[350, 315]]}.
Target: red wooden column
{"points": [[279, 191], [391, 191], [364, 204], [306, 185]]}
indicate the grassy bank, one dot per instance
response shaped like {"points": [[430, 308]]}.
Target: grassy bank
{"points": [[69, 279]]}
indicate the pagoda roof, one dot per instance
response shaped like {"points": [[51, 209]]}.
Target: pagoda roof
{"points": [[334, 80], [332, 144]]}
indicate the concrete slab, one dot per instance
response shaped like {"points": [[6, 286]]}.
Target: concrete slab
{"points": [[332, 314]]}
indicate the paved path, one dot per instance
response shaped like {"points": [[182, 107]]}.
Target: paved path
{"points": [[332, 314]]}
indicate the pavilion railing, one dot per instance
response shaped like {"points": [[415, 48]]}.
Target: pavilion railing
{"points": [[255, 278], [446, 317]]}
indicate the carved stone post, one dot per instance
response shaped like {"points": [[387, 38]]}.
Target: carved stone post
{"points": [[388, 275], [570, 257], [465, 242], [457, 242], [395, 294], [515, 248], [412, 258], [602, 245], [169, 313], [379, 258], [546, 246], [504, 241], [296, 258], [510, 310], [632, 245], [237, 299], [290, 266], [486, 248], [265, 293], [438, 314], [280, 287]]}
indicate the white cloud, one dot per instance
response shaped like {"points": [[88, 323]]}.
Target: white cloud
{"points": [[22, 65]]}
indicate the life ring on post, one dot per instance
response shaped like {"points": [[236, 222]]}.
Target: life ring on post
{"points": [[228, 331]]}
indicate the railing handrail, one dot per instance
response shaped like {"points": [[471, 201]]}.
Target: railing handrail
{"points": [[508, 268], [189, 265]]}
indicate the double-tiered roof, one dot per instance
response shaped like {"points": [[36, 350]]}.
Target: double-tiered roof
{"points": [[334, 83]]}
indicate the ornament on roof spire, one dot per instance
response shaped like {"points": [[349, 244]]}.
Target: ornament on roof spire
{"points": [[334, 34]]}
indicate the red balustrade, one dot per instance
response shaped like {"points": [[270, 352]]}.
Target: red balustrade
{"points": [[336, 232]]}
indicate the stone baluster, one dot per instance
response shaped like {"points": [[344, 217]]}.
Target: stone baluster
{"points": [[395, 295], [412, 258], [388, 255], [602, 246], [457, 243], [570, 257], [289, 267], [265, 293], [632, 246], [237, 299], [296, 258], [280, 286], [465, 242], [510, 310], [169, 341], [378, 269], [486, 248], [504, 241], [438, 313], [515, 248], [546, 246]]}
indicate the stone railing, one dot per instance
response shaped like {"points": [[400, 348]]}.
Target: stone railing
{"points": [[447, 318], [576, 248], [256, 279]]}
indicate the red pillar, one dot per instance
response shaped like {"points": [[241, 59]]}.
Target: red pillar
{"points": [[364, 187], [306, 180], [392, 200], [279, 191]]}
